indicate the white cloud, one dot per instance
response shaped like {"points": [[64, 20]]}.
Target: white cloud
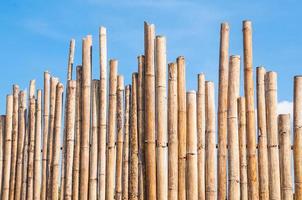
{"points": [[285, 107]]}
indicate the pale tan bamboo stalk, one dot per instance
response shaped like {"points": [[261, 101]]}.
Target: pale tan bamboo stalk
{"points": [[181, 93], [285, 150], [272, 134], [201, 135], [298, 136], [232, 125], [2, 133], [14, 141], [37, 156], [242, 148], [150, 112], [133, 174], [70, 132], [31, 142], [191, 165], [103, 113], [70, 59], [120, 135], [25, 162], [222, 110], [111, 149], [56, 143], [262, 136], [125, 178], [7, 147], [250, 111], [93, 172], [78, 122], [210, 141], [45, 134], [172, 131], [86, 104], [161, 118]]}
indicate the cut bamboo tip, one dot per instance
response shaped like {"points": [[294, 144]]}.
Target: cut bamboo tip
{"points": [[102, 30], [224, 26]]}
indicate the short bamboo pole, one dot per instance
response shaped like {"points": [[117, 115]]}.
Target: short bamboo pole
{"points": [[210, 141], [70, 59], [24, 164], [172, 131], [191, 165], [250, 111], [2, 134], [272, 134], [7, 147], [285, 150], [222, 111], [120, 137], [262, 136], [111, 149]]}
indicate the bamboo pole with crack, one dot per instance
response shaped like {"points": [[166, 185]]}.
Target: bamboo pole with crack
{"points": [[70, 59], [2, 134], [24, 164]]}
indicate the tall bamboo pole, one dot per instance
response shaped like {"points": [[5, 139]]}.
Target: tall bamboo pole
{"points": [[285, 150], [192, 168], [70, 59], [111, 151], [2, 134], [7, 147], [120, 137], [262, 136], [24, 164], [250, 111], [150, 112], [210, 141], [222, 110], [172, 131], [272, 134], [232, 124]]}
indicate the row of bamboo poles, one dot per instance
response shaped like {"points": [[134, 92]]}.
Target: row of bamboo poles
{"points": [[151, 139]]}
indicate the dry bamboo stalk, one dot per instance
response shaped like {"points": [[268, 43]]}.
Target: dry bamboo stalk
{"points": [[262, 136], [201, 135], [7, 148], [24, 165], [111, 149], [93, 173], [56, 143], [37, 156], [70, 59], [181, 93], [250, 111], [210, 141], [161, 118], [133, 174], [86, 104], [70, 130], [14, 141], [172, 131], [232, 125], [285, 150], [298, 136], [120, 135], [192, 168], [222, 111], [45, 134], [150, 112], [272, 134], [125, 177], [2, 133], [242, 148]]}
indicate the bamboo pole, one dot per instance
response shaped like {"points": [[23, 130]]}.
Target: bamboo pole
{"points": [[24, 164], [161, 118], [232, 125], [150, 112], [181, 93], [70, 59], [262, 136], [285, 150], [272, 134], [2, 134], [192, 167], [210, 141], [7, 148], [172, 131], [120, 137], [222, 110], [250, 111], [125, 177], [111, 151]]}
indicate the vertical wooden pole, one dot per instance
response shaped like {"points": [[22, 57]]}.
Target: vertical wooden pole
{"points": [[25, 162], [70, 59], [222, 110], [2, 134]]}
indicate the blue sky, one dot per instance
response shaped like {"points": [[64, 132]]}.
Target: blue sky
{"points": [[34, 36]]}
